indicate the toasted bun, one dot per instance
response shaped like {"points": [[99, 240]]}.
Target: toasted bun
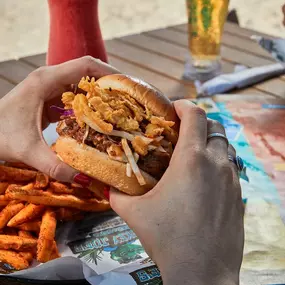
{"points": [[98, 165]]}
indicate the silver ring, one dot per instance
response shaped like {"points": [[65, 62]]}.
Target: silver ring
{"points": [[218, 135]]}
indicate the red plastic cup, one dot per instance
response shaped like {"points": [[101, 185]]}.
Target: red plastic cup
{"points": [[74, 31]]}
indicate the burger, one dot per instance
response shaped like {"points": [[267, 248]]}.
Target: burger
{"points": [[118, 130]]}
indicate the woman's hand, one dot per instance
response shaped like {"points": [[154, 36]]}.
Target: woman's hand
{"points": [[25, 111], [191, 223]]}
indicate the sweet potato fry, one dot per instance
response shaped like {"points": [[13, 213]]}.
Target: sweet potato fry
{"points": [[27, 255], [59, 188], [14, 259], [69, 214], [42, 181], [25, 234], [49, 199], [17, 243], [46, 236], [54, 253], [4, 201], [27, 214], [26, 187], [30, 227], [18, 165], [8, 212], [16, 174], [3, 187]]}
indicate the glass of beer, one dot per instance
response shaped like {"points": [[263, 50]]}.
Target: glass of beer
{"points": [[206, 19]]}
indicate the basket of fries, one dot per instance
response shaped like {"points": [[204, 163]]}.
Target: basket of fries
{"points": [[31, 206]]}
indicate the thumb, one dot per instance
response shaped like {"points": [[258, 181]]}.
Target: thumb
{"points": [[123, 204], [45, 160]]}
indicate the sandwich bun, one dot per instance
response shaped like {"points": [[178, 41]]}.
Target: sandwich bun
{"points": [[98, 165]]}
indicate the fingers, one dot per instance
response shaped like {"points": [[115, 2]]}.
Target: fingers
{"points": [[122, 204], [60, 76], [45, 160], [193, 127], [232, 152], [217, 144]]}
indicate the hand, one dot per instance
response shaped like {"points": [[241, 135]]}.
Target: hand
{"points": [[25, 111], [191, 223]]}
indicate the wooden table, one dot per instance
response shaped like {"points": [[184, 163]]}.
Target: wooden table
{"points": [[158, 57]]}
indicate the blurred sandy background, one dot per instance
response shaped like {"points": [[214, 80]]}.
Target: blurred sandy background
{"points": [[24, 23]]}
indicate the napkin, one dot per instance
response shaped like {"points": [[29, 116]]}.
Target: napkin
{"points": [[239, 79], [276, 47]]}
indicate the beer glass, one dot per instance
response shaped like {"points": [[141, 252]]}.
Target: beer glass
{"points": [[206, 19]]}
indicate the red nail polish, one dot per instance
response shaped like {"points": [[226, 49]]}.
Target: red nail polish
{"points": [[82, 179], [106, 192]]}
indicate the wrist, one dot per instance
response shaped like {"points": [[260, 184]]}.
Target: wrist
{"points": [[190, 272], [180, 263]]}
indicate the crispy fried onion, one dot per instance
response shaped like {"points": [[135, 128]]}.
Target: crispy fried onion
{"points": [[145, 139], [140, 146], [67, 99], [117, 117], [85, 115], [132, 162], [153, 130], [88, 85], [115, 152], [161, 122]]}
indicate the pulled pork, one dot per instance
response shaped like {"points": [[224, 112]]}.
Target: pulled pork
{"points": [[154, 163]]}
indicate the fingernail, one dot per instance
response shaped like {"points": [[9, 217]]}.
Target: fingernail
{"points": [[82, 179], [106, 192]]}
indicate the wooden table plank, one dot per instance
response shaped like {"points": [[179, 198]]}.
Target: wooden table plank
{"points": [[231, 28], [166, 49], [35, 60], [248, 94], [5, 86], [159, 64], [231, 43], [14, 70], [172, 88], [243, 32]]}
